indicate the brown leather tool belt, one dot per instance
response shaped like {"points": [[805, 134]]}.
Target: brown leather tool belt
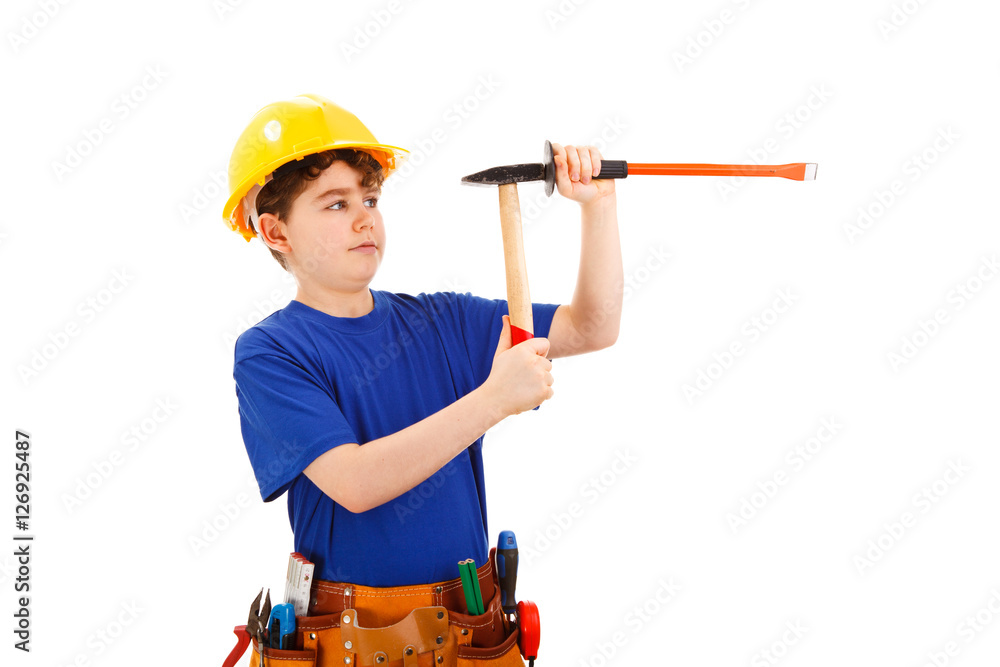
{"points": [[404, 626]]}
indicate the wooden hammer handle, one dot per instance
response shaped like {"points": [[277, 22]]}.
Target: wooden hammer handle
{"points": [[518, 299]]}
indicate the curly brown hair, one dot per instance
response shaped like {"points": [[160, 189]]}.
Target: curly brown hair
{"points": [[278, 195]]}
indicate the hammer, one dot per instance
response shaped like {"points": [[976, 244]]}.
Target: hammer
{"points": [[507, 177]]}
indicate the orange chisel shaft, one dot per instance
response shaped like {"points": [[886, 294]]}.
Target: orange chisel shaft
{"points": [[796, 171]]}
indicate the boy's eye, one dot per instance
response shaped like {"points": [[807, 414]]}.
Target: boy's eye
{"points": [[370, 202]]}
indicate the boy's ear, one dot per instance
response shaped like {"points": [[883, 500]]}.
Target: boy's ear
{"points": [[272, 232]]}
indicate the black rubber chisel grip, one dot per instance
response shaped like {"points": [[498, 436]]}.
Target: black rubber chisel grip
{"points": [[613, 169]]}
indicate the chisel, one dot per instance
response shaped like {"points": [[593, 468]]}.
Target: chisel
{"points": [[546, 171]]}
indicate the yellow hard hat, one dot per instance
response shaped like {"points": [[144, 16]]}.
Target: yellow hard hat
{"points": [[286, 131]]}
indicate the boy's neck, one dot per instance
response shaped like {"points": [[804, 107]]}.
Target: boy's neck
{"points": [[337, 304]]}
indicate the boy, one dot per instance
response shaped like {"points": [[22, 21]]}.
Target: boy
{"points": [[351, 399]]}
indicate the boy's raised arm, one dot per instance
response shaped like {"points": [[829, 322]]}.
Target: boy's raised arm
{"points": [[591, 320]]}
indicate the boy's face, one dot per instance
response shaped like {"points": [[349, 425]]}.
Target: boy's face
{"points": [[335, 231]]}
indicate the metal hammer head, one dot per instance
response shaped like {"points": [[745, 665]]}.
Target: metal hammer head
{"points": [[519, 173]]}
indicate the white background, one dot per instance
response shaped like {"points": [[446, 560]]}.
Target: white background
{"points": [[839, 84]]}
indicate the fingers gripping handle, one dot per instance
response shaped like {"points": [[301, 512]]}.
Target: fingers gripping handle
{"points": [[518, 298], [609, 168]]}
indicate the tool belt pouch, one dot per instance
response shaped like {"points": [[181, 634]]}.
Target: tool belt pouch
{"points": [[486, 639], [421, 639], [426, 637], [282, 658], [505, 654]]}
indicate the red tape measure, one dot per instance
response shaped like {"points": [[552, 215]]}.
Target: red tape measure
{"points": [[529, 629]]}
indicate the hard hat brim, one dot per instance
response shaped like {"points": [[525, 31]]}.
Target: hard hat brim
{"points": [[388, 156]]}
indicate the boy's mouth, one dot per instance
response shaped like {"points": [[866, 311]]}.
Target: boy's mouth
{"points": [[368, 248]]}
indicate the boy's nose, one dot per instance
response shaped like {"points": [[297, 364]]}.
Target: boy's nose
{"points": [[364, 219]]}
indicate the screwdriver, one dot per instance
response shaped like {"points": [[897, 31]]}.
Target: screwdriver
{"points": [[507, 570]]}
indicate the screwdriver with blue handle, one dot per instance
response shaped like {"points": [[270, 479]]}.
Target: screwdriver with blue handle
{"points": [[507, 570]]}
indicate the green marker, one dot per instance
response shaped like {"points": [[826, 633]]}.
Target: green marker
{"points": [[470, 586]]}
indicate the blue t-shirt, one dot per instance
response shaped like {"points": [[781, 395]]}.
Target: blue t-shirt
{"points": [[307, 382]]}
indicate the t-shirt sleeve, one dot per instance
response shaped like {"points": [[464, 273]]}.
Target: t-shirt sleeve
{"points": [[287, 419]]}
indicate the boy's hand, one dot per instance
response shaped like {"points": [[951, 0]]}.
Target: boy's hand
{"points": [[575, 169], [520, 378]]}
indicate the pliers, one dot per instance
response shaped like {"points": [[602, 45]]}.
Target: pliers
{"points": [[257, 622]]}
